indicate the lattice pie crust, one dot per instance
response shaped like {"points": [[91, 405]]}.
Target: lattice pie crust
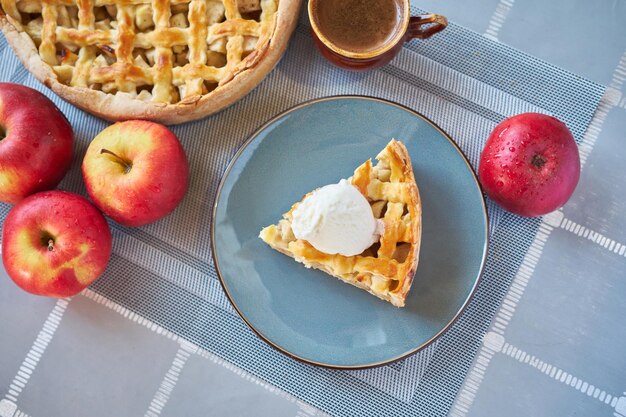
{"points": [[165, 60]]}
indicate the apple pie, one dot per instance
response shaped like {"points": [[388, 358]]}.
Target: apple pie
{"points": [[165, 60], [386, 269]]}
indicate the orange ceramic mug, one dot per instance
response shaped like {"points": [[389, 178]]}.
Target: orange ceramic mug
{"points": [[366, 34]]}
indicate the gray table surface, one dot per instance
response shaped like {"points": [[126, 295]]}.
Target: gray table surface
{"points": [[563, 352]]}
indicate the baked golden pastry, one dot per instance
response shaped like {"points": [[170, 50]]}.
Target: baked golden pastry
{"points": [[166, 60], [386, 269]]}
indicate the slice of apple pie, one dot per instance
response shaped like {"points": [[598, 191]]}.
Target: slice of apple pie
{"points": [[386, 265]]}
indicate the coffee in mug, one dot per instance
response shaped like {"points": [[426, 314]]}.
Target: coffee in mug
{"points": [[365, 34]]}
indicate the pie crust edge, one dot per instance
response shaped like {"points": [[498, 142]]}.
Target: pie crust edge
{"points": [[398, 150]]}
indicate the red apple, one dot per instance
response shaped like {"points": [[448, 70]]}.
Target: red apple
{"points": [[530, 164], [35, 143], [136, 172], [55, 243]]}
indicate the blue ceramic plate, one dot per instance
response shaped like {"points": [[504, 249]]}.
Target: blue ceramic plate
{"points": [[310, 315]]}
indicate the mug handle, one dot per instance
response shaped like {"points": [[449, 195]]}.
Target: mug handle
{"points": [[416, 24]]}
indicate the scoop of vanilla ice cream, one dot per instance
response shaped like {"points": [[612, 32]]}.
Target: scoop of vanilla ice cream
{"points": [[335, 219]]}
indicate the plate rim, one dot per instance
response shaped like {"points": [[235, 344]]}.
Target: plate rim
{"points": [[404, 355]]}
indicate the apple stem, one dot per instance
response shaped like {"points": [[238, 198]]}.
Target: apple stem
{"points": [[125, 163], [3, 132], [50, 245], [538, 161]]}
